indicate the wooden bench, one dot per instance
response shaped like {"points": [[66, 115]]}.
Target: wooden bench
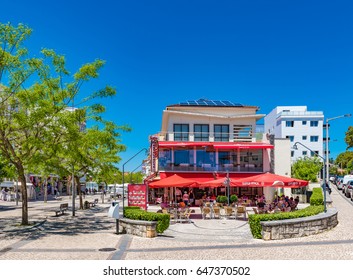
{"points": [[93, 203], [63, 207]]}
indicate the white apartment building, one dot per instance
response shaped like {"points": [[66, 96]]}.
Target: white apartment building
{"points": [[302, 127]]}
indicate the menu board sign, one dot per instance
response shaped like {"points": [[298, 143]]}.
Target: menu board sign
{"points": [[137, 195]]}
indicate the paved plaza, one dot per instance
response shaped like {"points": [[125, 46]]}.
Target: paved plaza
{"points": [[90, 235]]}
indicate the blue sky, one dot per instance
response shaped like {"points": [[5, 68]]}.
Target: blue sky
{"points": [[157, 53]]}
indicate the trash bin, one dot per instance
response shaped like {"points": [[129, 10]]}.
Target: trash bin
{"points": [[113, 212]]}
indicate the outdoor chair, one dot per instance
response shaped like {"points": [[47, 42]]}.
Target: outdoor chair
{"points": [[228, 211], [241, 211], [206, 211], [216, 212], [185, 215]]}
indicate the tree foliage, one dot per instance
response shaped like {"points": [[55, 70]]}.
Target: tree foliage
{"points": [[307, 168], [39, 131], [349, 137]]}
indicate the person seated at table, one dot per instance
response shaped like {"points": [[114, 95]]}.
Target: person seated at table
{"points": [[159, 200], [261, 205]]}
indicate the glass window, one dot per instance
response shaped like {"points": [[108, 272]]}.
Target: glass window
{"points": [[303, 122], [292, 153], [201, 132], [223, 157], [304, 137], [314, 138], [304, 153], [181, 132], [290, 137], [183, 156], [221, 132], [314, 153], [289, 123], [164, 158], [314, 123], [205, 157]]}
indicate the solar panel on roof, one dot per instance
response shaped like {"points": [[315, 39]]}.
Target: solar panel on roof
{"points": [[227, 103], [210, 103]]}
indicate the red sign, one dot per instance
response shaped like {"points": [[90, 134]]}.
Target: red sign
{"points": [[137, 195]]}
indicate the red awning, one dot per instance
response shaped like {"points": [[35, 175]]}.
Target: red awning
{"points": [[224, 146], [216, 145], [183, 144]]}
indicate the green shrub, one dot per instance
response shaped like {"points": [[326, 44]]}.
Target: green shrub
{"points": [[222, 199], [135, 213], [233, 198], [255, 219], [317, 197]]}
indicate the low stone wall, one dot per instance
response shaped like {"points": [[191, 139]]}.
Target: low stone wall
{"points": [[291, 228], [140, 228]]}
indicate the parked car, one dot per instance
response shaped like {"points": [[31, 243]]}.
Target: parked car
{"points": [[339, 183], [348, 189]]}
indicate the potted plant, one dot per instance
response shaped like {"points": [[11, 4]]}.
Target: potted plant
{"points": [[222, 199], [233, 199]]}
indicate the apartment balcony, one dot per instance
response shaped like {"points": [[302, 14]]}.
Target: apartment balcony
{"points": [[207, 137], [207, 167]]}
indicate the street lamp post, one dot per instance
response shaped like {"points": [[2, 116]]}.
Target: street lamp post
{"points": [[143, 149], [327, 135], [295, 147]]}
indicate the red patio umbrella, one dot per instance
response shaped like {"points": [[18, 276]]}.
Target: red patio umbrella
{"points": [[221, 182], [174, 181], [270, 180]]}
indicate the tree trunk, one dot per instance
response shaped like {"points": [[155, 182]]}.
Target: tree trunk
{"points": [[22, 178], [79, 191]]}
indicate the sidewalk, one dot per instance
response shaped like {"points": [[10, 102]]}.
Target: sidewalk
{"points": [[91, 235]]}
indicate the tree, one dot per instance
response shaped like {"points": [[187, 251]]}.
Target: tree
{"points": [[349, 137], [345, 160], [36, 128], [307, 168]]}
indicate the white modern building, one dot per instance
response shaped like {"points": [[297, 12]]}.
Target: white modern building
{"points": [[300, 126]]}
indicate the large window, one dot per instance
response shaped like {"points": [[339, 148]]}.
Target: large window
{"points": [[314, 123], [181, 132], [314, 138], [205, 157], [289, 123], [201, 132], [221, 132], [183, 157]]}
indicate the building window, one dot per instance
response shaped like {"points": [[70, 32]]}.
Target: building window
{"points": [[183, 157], [305, 153], [290, 137], [289, 123], [314, 123], [314, 138], [201, 132], [181, 132], [314, 153], [292, 153], [304, 137], [221, 132], [303, 122]]}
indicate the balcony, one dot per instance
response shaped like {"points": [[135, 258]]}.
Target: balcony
{"points": [[207, 167], [237, 136]]}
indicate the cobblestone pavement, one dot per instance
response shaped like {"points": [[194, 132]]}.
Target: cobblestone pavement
{"points": [[90, 235]]}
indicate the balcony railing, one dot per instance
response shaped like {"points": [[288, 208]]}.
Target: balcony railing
{"points": [[207, 137], [207, 167]]}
